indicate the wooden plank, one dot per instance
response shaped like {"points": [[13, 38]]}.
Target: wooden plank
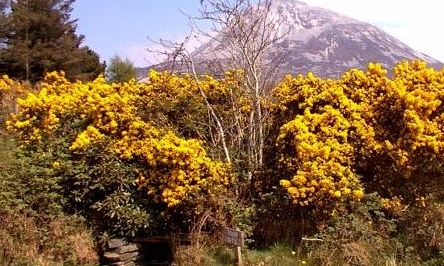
{"points": [[238, 255], [233, 237]]}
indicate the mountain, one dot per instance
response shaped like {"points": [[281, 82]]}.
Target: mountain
{"points": [[326, 43]]}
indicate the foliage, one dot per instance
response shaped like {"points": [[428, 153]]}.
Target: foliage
{"points": [[102, 188], [41, 38], [422, 229], [10, 196], [365, 233], [26, 240], [120, 70], [359, 235], [110, 156], [139, 159], [363, 130], [29, 181]]}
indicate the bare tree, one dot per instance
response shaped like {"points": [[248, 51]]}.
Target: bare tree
{"points": [[241, 36], [176, 53]]}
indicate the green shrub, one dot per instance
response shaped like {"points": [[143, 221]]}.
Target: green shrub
{"points": [[359, 235], [29, 180], [422, 229], [102, 188]]}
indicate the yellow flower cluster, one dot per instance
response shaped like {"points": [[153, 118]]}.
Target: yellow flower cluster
{"points": [[59, 103], [177, 102], [122, 117], [177, 167], [9, 92], [364, 124], [337, 137], [88, 137], [393, 205], [321, 157], [5, 84]]}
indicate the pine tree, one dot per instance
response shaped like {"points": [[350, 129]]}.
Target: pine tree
{"points": [[42, 38], [4, 29], [4, 21]]}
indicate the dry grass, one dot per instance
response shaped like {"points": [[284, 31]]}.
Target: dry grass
{"points": [[276, 255], [84, 248], [24, 240], [191, 255]]}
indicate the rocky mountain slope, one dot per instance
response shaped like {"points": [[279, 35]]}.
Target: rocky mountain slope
{"points": [[328, 43]]}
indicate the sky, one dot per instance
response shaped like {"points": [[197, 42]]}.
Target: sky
{"points": [[128, 28]]}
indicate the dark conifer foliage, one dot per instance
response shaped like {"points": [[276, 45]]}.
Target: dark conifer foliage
{"points": [[4, 27], [40, 38]]}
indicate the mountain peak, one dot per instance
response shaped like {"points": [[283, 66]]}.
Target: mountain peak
{"points": [[328, 43], [325, 43]]}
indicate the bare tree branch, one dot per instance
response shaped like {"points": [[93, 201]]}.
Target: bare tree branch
{"points": [[240, 35]]}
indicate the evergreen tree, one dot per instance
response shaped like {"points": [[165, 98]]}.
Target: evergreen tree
{"points": [[4, 29], [120, 70], [42, 38], [91, 67], [4, 21]]}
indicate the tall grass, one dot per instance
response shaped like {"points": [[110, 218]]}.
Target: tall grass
{"points": [[281, 255], [26, 240]]}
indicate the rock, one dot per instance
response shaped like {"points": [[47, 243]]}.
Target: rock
{"points": [[124, 263], [127, 248], [115, 257], [112, 256], [116, 243], [129, 256]]}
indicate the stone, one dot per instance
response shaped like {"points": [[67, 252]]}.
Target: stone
{"points": [[116, 243], [124, 263], [127, 248], [116, 258], [129, 256], [111, 256]]}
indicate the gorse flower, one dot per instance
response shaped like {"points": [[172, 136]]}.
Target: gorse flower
{"points": [[97, 113], [365, 125], [336, 139]]}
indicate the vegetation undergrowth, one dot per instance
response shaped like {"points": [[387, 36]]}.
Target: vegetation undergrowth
{"points": [[27, 240], [147, 159], [31, 237]]}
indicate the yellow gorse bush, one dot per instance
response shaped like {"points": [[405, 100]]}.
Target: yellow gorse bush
{"points": [[337, 138], [363, 130], [120, 117], [5, 84], [10, 90], [315, 144]]}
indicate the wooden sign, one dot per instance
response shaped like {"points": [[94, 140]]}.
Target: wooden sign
{"points": [[233, 237]]}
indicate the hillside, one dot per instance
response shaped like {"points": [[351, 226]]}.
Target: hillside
{"points": [[322, 41]]}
